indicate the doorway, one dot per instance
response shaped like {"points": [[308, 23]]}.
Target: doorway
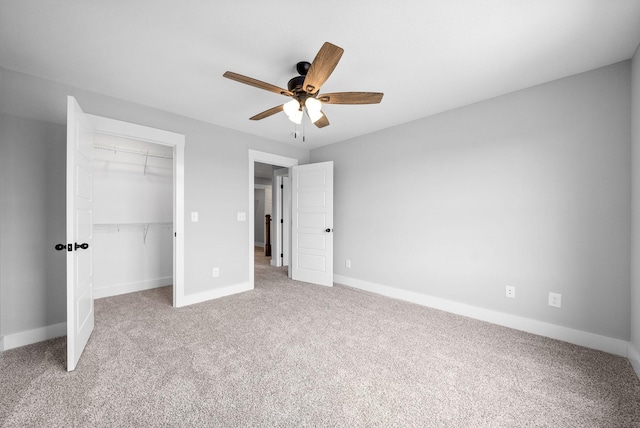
{"points": [[260, 158], [271, 213], [132, 215], [311, 218], [175, 143]]}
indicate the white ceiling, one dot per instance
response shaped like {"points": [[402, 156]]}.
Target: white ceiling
{"points": [[427, 56]]}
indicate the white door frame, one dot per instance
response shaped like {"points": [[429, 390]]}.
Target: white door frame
{"points": [[286, 221], [270, 159], [279, 207], [132, 131]]}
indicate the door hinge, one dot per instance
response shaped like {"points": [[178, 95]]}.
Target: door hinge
{"points": [[282, 255], [282, 186], [281, 220]]}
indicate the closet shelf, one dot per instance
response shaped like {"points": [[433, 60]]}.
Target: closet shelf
{"points": [[143, 227], [144, 154]]}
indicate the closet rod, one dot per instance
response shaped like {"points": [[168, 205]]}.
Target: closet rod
{"points": [[132, 226], [130, 151]]}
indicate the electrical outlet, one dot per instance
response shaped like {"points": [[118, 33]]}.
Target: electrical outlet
{"points": [[555, 300], [216, 272], [511, 292], [347, 263]]}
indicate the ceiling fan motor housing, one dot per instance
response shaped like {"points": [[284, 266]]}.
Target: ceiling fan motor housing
{"points": [[295, 84], [302, 67]]}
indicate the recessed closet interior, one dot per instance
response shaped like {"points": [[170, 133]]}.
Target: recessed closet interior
{"points": [[132, 215]]}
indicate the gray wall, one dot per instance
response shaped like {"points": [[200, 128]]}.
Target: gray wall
{"points": [[530, 189], [635, 283], [32, 221], [216, 185]]}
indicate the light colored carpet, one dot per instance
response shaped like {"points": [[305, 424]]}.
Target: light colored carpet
{"points": [[292, 354]]}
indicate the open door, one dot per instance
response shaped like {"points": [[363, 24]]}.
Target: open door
{"points": [[286, 220], [282, 214], [80, 314], [312, 223]]}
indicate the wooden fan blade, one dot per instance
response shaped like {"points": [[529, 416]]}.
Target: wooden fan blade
{"points": [[351, 98], [257, 83], [267, 113], [322, 122], [322, 66]]}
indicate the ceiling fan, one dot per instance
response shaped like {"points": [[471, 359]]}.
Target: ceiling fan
{"points": [[304, 89]]}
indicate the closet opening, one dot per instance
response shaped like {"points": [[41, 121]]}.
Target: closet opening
{"points": [[133, 225]]}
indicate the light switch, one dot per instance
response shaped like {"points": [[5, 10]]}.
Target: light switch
{"points": [[242, 216], [194, 216]]}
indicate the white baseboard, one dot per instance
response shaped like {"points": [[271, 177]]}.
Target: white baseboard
{"points": [[28, 337], [258, 244], [191, 299], [577, 337], [634, 358], [1, 344], [131, 287]]}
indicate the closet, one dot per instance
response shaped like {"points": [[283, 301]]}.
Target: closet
{"points": [[132, 215]]}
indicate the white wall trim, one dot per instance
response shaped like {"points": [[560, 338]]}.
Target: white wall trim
{"points": [[589, 340], [191, 299], [28, 337], [131, 287], [1, 344], [634, 358]]}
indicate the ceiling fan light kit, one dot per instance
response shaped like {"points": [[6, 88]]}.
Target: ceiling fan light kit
{"points": [[304, 89], [314, 115], [291, 107], [312, 104], [296, 117]]}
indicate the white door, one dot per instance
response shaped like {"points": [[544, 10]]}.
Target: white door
{"points": [[79, 232], [312, 223], [282, 215], [286, 219]]}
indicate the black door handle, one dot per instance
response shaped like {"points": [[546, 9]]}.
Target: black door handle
{"points": [[71, 247], [328, 230]]}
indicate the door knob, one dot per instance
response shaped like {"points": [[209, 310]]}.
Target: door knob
{"points": [[61, 247], [83, 246], [327, 230]]}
